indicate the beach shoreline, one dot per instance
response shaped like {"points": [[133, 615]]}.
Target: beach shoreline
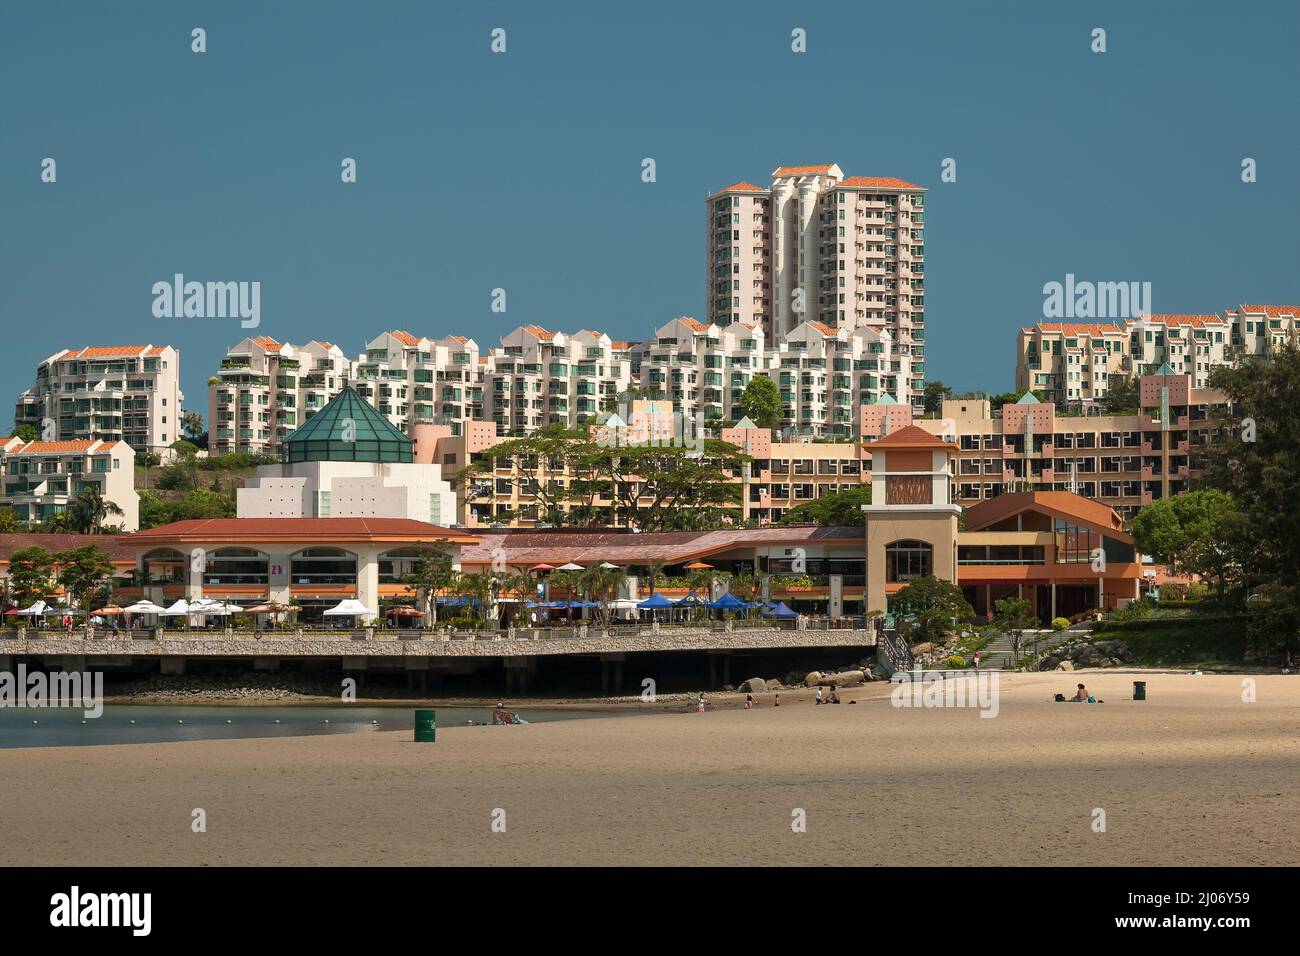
{"points": [[1196, 775]]}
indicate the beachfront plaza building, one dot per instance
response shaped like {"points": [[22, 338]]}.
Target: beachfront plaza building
{"points": [[39, 479], [348, 461], [128, 393], [846, 252]]}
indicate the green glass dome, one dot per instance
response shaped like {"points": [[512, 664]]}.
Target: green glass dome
{"points": [[347, 429]]}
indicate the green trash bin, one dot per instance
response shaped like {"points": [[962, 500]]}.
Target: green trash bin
{"points": [[1139, 690], [426, 726]]}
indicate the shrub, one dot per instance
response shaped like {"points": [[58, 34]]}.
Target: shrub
{"points": [[1060, 623], [956, 661]]}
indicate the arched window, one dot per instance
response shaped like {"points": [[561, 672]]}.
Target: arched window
{"points": [[323, 566], [235, 566], [164, 566], [907, 561]]}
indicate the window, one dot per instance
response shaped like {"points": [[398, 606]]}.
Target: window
{"points": [[907, 561]]}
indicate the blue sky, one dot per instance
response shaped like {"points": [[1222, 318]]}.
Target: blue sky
{"points": [[522, 170]]}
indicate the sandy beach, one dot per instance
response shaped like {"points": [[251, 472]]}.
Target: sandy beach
{"points": [[1193, 776]]}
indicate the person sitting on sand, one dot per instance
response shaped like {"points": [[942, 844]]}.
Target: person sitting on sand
{"points": [[818, 698], [1081, 694]]}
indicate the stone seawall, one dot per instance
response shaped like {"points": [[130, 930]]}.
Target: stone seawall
{"points": [[433, 646]]}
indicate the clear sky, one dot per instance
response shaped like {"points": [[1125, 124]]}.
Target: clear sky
{"points": [[522, 170]]}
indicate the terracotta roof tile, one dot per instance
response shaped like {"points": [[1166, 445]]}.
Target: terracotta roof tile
{"points": [[876, 182], [801, 170], [1273, 311], [911, 437], [743, 188], [296, 529]]}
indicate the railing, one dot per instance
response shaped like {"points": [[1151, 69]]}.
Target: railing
{"points": [[892, 650], [590, 631]]}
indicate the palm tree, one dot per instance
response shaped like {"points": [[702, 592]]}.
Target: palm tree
{"points": [[652, 571], [431, 573], [478, 587], [601, 584], [90, 508]]}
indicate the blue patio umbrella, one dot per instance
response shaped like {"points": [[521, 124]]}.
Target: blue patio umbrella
{"points": [[780, 610], [729, 602], [655, 602], [691, 600]]}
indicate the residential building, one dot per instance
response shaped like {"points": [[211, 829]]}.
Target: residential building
{"points": [[127, 393], [413, 379], [846, 252], [538, 378], [266, 388], [43, 479]]}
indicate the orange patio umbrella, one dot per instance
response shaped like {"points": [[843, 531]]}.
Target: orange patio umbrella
{"points": [[109, 610], [699, 566]]}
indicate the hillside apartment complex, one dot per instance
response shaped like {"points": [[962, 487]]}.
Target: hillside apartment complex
{"points": [[127, 393], [1069, 362], [40, 479], [1122, 461]]}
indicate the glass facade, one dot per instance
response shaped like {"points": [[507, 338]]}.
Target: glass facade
{"points": [[347, 429]]}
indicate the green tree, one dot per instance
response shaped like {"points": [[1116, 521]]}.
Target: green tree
{"points": [[1193, 533], [89, 508], [1122, 396], [1013, 616], [85, 574], [935, 393], [534, 459], [938, 606], [192, 425], [761, 403], [430, 574], [1256, 461], [667, 488], [8, 523], [27, 432], [31, 575], [843, 509]]}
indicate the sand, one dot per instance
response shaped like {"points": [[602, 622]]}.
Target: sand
{"points": [[1193, 776]]}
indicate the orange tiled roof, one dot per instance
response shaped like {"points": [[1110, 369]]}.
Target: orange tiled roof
{"points": [[527, 547], [1081, 328], [1197, 321], [267, 342], [105, 351], [458, 338], [876, 182], [544, 334], [325, 345], [980, 516], [801, 170], [406, 338], [823, 328], [58, 447], [693, 324], [743, 188], [296, 529], [157, 350], [1273, 311], [621, 346], [911, 437]]}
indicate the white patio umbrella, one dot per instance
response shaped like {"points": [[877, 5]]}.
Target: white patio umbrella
{"points": [[38, 608], [610, 567], [350, 607], [180, 609], [144, 607], [571, 567]]}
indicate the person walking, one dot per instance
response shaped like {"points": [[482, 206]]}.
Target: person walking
{"points": [[699, 704], [749, 701], [977, 660]]}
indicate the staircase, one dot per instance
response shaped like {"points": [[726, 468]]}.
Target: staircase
{"points": [[996, 654]]}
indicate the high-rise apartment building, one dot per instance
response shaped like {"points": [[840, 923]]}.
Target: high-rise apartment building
{"points": [[846, 252], [265, 389], [127, 393]]}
